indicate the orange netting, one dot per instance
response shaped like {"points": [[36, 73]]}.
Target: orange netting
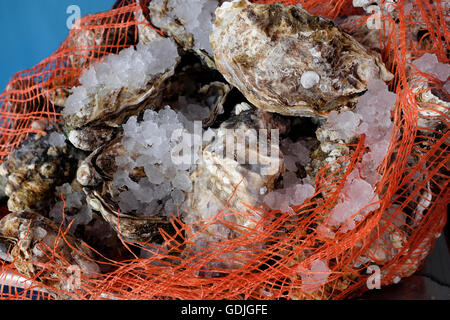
{"points": [[269, 258]]}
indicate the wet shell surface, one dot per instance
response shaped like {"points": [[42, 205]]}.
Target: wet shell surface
{"points": [[433, 102], [225, 179], [29, 240], [287, 61], [95, 174], [128, 227], [36, 167]]}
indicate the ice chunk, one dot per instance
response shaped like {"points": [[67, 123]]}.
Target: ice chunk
{"points": [[357, 198], [309, 79], [315, 277], [197, 16], [154, 174], [75, 206], [447, 86], [301, 193], [429, 63], [150, 144], [128, 201], [57, 139], [293, 195], [76, 100], [361, 3], [345, 122], [183, 182]]}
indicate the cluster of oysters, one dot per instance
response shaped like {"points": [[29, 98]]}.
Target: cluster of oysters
{"points": [[272, 66]]}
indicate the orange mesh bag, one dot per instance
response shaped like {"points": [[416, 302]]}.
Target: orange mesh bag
{"points": [[282, 256]]}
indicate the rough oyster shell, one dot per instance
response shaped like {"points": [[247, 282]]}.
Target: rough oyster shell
{"points": [[109, 108], [128, 227], [227, 181], [30, 238], [271, 52], [90, 138], [35, 168], [116, 106], [3, 181], [433, 102], [100, 165], [96, 173], [331, 148]]}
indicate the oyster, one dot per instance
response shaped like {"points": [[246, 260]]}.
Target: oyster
{"points": [[96, 174], [3, 181], [432, 99], [129, 227], [117, 88], [287, 61], [36, 167], [235, 176], [332, 148], [369, 38], [90, 138], [35, 246]]}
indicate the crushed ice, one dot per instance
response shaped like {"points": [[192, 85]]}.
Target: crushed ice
{"points": [[293, 193], [150, 145], [129, 69], [315, 277], [372, 117], [197, 16], [75, 207]]}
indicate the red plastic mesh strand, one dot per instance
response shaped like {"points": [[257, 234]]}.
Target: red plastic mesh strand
{"points": [[281, 246]]}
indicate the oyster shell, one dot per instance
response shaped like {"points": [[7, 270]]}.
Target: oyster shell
{"points": [[36, 167], [331, 148], [3, 181], [128, 227], [433, 102], [194, 83], [227, 179], [96, 174], [107, 108], [287, 61], [100, 165], [30, 241], [90, 138]]}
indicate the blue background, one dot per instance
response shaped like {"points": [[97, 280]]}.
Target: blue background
{"points": [[31, 30]]}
